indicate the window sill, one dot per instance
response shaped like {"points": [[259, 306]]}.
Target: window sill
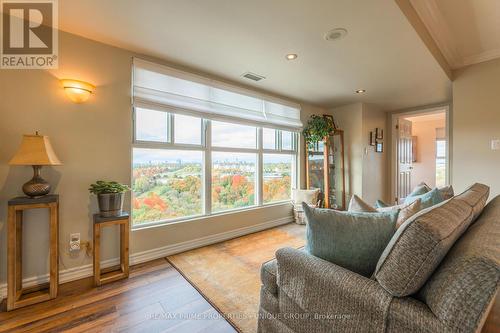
{"points": [[207, 216]]}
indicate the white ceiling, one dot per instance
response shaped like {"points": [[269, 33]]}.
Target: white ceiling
{"points": [[381, 53], [466, 31]]}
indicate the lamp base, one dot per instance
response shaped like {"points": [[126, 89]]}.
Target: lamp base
{"points": [[37, 186]]}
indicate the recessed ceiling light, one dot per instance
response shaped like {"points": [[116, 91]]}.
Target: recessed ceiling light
{"points": [[291, 56], [360, 91], [335, 34]]}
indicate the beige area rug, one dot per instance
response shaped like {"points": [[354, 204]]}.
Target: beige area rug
{"points": [[228, 273]]}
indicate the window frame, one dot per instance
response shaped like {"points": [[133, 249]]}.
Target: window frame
{"points": [[206, 149]]}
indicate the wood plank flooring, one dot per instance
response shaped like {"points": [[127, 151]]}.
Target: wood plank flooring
{"points": [[156, 298]]}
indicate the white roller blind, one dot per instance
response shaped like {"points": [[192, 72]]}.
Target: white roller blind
{"points": [[165, 88]]}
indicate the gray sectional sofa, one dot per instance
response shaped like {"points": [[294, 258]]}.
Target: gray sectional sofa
{"points": [[439, 273]]}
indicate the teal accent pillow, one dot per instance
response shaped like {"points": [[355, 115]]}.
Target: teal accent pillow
{"points": [[419, 190], [381, 204], [429, 199], [353, 240]]}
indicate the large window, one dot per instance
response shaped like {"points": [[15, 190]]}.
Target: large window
{"points": [[277, 175], [166, 184], [186, 166], [233, 180], [202, 146]]}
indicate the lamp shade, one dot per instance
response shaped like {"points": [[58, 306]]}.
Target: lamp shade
{"points": [[35, 150]]}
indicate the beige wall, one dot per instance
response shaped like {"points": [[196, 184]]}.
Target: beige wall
{"points": [[476, 121], [365, 169], [349, 119], [424, 169], [374, 164], [94, 142]]}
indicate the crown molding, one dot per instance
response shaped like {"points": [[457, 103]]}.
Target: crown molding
{"points": [[433, 19], [481, 57]]}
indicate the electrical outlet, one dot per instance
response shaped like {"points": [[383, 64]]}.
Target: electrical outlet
{"points": [[74, 242], [495, 144]]}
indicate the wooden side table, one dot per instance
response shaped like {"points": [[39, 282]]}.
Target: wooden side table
{"points": [[18, 297], [109, 275]]}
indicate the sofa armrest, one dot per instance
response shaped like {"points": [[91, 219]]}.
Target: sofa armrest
{"points": [[339, 298], [268, 276]]}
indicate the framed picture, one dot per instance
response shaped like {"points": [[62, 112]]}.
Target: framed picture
{"points": [[372, 139], [379, 147], [379, 133]]}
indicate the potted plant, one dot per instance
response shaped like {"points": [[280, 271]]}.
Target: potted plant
{"points": [[317, 129], [110, 196]]}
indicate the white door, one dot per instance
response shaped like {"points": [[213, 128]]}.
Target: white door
{"points": [[404, 158]]}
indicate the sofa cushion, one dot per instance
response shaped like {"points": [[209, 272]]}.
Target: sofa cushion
{"points": [[268, 276], [349, 239], [358, 205], [476, 196], [462, 287], [419, 245]]}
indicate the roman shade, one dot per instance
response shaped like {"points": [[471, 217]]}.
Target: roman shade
{"points": [[167, 89]]}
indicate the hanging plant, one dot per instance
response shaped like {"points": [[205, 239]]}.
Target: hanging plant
{"points": [[317, 128]]}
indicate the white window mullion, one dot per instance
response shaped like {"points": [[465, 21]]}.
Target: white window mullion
{"points": [[207, 168], [260, 170], [170, 128]]}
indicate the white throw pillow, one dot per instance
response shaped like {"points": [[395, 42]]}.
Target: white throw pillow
{"points": [[307, 196]]}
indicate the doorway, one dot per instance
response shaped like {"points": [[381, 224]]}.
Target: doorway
{"points": [[420, 150]]}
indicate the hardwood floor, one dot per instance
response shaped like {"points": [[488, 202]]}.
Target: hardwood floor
{"points": [[156, 298]]}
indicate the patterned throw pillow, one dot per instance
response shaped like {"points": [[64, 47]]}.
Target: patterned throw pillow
{"points": [[307, 196], [446, 192], [405, 211]]}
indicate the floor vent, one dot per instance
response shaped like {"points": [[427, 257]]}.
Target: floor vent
{"points": [[253, 76]]}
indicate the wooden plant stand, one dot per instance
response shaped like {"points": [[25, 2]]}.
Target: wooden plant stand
{"points": [[111, 274], [18, 297]]}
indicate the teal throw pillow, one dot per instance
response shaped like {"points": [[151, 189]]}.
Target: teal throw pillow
{"points": [[419, 190], [381, 204], [353, 240], [429, 199]]}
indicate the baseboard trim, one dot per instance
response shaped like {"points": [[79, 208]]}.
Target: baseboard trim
{"points": [[84, 271]]}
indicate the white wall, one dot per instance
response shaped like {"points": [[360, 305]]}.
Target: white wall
{"points": [[424, 169], [94, 142], [476, 121]]}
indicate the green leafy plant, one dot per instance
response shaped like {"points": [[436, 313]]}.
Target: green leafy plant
{"points": [[103, 187], [317, 128]]}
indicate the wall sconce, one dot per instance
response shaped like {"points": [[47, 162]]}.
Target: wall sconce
{"points": [[77, 91]]}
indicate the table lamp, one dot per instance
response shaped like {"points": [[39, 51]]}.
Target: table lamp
{"points": [[35, 150]]}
